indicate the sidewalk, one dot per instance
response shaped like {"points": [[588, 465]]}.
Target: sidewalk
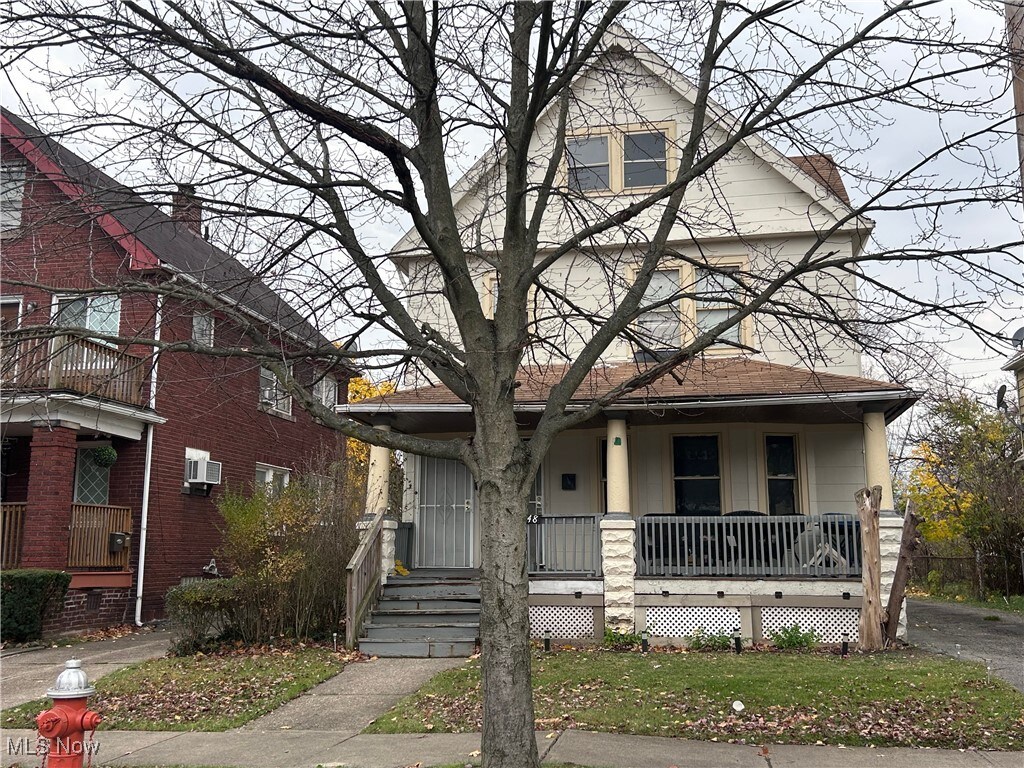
{"points": [[333, 749]]}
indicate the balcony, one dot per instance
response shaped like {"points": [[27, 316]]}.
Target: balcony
{"points": [[70, 364]]}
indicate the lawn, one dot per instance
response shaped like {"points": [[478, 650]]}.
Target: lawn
{"points": [[892, 699], [199, 693]]}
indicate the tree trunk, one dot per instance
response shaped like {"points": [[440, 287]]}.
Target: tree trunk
{"points": [[908, 543], [502, 484], [870, 631]]}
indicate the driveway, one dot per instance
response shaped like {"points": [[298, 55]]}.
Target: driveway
{"points": [[939, 627], [26, 675]]}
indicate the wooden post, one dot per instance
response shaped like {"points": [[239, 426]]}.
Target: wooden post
{"points": [[909, 541], [868, 504]]}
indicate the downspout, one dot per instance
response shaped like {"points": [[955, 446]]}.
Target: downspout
{"points": [[148, 471]]}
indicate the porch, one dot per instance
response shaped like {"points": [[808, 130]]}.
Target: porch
{"points": [[98, 539]]}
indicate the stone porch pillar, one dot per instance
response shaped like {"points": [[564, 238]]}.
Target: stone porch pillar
{"points": [[618, 563], [876, 456], [618, 468], [890, 534], [51, 492]]}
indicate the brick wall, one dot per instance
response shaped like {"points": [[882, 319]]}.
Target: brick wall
{"points": [[50, 493], [107, 607]]}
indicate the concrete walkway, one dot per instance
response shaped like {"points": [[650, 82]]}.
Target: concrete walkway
{"points": [[939, 626], [26, 674], [333, 749]]}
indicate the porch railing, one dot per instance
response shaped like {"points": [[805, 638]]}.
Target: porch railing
{"points": [[12, 519], [77, 365], [89, 545], [362, 579], [754, 545], [564, 544]]}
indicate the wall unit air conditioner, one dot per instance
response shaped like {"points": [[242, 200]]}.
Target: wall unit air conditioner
{"points": [[202, 471]]}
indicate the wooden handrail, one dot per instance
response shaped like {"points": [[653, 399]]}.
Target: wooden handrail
{"points": [[89, 541], [12, 526], [78, 365], [362, 578]]}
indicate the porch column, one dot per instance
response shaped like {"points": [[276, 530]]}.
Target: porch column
{"points": [[876, 456], [51, 492], [618, 468], [890, 534], [618, 563], [378, 477]]}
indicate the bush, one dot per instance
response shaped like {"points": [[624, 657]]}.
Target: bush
{"points": [[26, 595], [200, 611], [621, 641], [701, 640], [792, 637]]}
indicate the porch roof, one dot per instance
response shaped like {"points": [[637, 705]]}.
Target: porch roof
{"points": [[734, 383]]}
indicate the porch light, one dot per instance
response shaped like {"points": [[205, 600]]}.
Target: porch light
{"points": [[645, 641], [737, 641], [845, 648], [547, 641]]}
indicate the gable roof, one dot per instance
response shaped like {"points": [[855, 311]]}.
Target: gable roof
{"points": [[153, 239], [696, 382]]}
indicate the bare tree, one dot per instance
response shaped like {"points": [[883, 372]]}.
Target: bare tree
{"points": [[308, 128]]}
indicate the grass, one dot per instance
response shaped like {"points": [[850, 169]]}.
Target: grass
{"points": [[892, 699], [955, 593], [198, 693]]}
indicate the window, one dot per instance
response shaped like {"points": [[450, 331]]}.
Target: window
{"points": [[12, 190], [272, 394], [661, 327], [589, 164], [270, 479], [781, 473], [492, 287], [202, 328], [697, 475], [100, 313], [326, 391], [620, 159], [92, 478], [715, 289]]}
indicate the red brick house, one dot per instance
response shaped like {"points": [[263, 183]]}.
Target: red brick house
{"points": [[73, 241]]}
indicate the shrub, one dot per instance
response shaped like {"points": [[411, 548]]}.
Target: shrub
{"points": [[793, 637], [613, 638], [26, 595], [199, 611], [702, 640]]}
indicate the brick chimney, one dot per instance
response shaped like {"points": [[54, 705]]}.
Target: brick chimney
{"points": [[186, 209]]}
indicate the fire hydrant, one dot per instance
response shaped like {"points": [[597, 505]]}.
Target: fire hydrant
{"points": [[63, 726]]}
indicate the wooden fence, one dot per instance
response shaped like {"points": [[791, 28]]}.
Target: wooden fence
{"points": [[91, 526], [12, 516]]}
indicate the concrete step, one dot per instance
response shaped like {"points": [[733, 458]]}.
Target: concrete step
{"points": [[433, 589], [450, 648], [420, 631], [428, 603], [427, 616]]}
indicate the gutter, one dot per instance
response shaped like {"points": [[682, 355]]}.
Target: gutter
{"points": [[148, 471]]}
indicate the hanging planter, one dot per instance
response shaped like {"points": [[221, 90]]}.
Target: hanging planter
{"points": [[104, 456]]}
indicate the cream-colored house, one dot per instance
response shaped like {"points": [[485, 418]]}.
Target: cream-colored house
{"points": [[720, 497]]}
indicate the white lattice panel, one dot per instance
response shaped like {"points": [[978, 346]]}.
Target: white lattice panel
{"points": [[566, 622], [829, 623], [685, 620]]}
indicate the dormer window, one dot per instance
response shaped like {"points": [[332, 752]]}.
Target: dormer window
{"points": [[620, 159], [12, 190]]}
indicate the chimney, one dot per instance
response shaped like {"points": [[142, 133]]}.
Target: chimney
{"points": [[186, 210]]}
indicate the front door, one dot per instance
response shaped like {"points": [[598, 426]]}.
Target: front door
{"points": [[445, 533]]}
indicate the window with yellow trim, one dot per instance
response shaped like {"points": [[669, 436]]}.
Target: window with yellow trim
{"points": [[620, 159]]}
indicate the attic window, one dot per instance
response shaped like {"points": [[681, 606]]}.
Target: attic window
{"points": [[12, 190], [644, 162], [589, 165]]}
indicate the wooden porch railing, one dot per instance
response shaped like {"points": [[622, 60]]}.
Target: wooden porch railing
{"points": [[77, 365], [12, 517], [362, 579], [564, 544], [749, 545], [89, 543]]}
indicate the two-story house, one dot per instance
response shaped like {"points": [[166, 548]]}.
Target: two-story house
{"points": [[114, 456], [721, 496]]}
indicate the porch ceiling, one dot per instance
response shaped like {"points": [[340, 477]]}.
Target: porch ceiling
{"points": [[93, 415]]}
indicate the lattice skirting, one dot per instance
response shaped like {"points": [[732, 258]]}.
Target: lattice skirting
{"points": [[829, 623], [682, 621], [565, 622]]}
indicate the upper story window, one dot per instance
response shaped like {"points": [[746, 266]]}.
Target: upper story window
{"points": [[326, 391], [273, 396], [12, 190], [716, 301], [620, 159], [661, 327], [100, 313], [202, 328]]}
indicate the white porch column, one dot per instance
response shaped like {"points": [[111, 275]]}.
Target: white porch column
{"points": [[618, 562], [876, 456], [618, 468]]}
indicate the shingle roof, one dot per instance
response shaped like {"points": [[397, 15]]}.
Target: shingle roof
{"points": [[699, 379], [171, 241], [823, 169]]}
